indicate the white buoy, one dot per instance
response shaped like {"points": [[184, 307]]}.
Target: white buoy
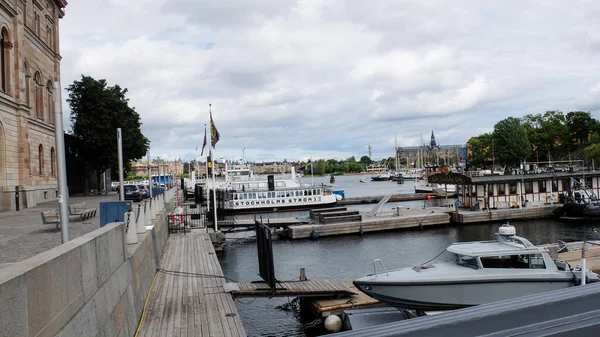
{"points": [[333, 323]]}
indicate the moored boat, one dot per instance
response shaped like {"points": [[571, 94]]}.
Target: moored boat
{"points": [[481, 272]]}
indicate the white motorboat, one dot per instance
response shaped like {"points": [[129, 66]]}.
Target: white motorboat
{"points": [[481, 272]]}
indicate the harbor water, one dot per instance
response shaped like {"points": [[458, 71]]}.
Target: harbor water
{"points": [[349, 257]]}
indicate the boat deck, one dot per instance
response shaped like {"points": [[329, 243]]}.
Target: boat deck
{"points": [[188, 298]]}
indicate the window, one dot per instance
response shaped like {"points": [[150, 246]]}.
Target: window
{"points": [[39, 97], [518, 261], [512, 188], [542, 186], [50, 101], [554, 185], [467, 261], [502, 189], [41, 159], [4, 62], [529, 187], [588, 182], [566, 184], [52, 162], [26, 86]]}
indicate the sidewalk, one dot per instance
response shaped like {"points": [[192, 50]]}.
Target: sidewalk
{"points": [[22, 234]]}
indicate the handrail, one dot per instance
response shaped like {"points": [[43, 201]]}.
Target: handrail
{"points": [[375, 267]]}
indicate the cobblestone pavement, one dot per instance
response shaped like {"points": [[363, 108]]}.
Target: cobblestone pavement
{"points": [[22, 234]]}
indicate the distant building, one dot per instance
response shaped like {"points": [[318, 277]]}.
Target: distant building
{"points": [[29, 64], [431, 154]]}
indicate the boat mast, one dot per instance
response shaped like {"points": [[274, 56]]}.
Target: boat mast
{"points": [[396, 150]]}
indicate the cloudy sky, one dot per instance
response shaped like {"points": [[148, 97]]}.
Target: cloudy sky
{"points": [[325, 78]]}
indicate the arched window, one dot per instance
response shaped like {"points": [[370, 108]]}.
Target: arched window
{"points": [[39, 97], [50, 102], [26, 86], [5, 47], [52, 162], [41, 160]]}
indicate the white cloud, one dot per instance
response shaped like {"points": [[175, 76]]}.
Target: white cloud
{"points": [[324, 78]]}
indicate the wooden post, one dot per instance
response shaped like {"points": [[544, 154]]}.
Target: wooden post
{"points": [[302, 274]]}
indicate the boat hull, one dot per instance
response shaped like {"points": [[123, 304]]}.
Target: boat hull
{"points": [[276, 208], [456, 295]]}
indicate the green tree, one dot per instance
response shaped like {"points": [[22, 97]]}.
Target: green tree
{"points": [[592, 153], [480, 150], [581, 125], [366, 161], [97, 110], [510, 141], [547, 134]]}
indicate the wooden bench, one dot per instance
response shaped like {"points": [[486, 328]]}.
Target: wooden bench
{"points": [[51, 217], [80, 209]]}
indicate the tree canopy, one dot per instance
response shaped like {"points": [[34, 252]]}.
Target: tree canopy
{"points": [[511, 144], [97, 110], [480, 150]]}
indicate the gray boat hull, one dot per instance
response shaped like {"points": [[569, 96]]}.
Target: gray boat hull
{"points": [[456, 295]]}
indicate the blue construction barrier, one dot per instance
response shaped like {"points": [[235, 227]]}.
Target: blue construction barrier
{"points": [[114, 211]]}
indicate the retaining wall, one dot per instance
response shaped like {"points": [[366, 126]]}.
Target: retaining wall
{"points": [[94, 285]]}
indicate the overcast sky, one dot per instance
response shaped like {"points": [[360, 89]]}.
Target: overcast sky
{"points": [[324, 78]]}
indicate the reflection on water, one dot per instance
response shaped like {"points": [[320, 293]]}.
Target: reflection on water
{"points": [[349, 257]]}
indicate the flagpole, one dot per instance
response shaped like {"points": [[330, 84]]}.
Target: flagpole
{"points": [[213, 169]]}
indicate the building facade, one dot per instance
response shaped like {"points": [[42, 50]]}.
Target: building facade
{"points": [[29, 64]]}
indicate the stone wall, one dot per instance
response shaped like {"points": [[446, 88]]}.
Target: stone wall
{"points": [[94, 285]]}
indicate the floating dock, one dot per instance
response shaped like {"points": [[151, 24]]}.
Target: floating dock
{"points": [[408, 218], [305, 288], [393, 198], [323, 307], [533, 212]]}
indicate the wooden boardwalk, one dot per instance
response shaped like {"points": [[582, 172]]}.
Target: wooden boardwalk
{"points": [[308, 288], [181, 302]]}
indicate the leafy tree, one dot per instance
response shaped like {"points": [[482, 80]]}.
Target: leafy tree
{"points": [[592, 153], [97, 110], [365, 160], [581, 125], [480, 150], [510, 141], [547, 134]]}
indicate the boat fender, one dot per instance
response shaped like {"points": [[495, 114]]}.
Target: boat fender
{"points": [[314, 235], [361, 231], [458, 204], [333, 323]]}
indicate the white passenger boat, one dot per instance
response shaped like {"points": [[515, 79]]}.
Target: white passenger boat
{"points": [[481, 272]]}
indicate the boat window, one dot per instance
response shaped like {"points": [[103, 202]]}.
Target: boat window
{"points": [[253, 195], [588, 182], [280, 183], [263, 185], [554, 185], [502, 189], [542, 186], [512, 188], [253, 185], [519, 261], [566, 184], [235, 196], [529, 187], [467, 261]]}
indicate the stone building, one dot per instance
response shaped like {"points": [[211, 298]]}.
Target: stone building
{"points": [[29, 64]]}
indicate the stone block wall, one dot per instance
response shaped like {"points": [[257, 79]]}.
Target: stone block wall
{"points": [[94, 285]]}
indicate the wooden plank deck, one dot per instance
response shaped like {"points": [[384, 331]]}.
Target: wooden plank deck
{"points": [[183, 303], [308, 288]]}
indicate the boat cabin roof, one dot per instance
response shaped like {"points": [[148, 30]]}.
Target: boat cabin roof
{"points": [[503, 246]]}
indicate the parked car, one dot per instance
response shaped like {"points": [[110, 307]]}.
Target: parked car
{"points": [[132, 192], [145, 191]]}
